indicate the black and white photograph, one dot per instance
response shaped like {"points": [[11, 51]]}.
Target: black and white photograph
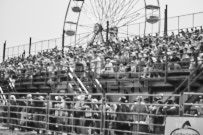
{"points": [[101, 67]]}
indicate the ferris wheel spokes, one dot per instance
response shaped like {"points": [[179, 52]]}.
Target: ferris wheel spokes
{"points": [[119, 13]]}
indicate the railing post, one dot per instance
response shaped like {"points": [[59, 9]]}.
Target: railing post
{"points": [[189, 78], [47, 112], [183, 105], [102, 118], [30, 45], [104, 113], [4, 51], [166, 67], [8, 116]]}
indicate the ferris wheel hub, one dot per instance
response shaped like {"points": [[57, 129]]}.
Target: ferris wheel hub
{"points": [[97, 28]]}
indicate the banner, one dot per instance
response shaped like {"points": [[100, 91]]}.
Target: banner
{"points": [[184, 126]]}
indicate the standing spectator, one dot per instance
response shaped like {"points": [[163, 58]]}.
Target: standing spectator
{"points": [[13, 112], [122, 108], [171, 108], [98, 65], [139, 107], [38, 111]]}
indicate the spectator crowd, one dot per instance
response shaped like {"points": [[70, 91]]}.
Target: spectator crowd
{"points": [[148, 55]]}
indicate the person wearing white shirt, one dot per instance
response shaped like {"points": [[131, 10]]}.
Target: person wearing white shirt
{"points": [[109, 66], [97, 65]]}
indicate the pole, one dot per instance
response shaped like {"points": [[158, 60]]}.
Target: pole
{"points": [[4, 51], [166, 21], [30, 45], [63, 35], [107, 33]]}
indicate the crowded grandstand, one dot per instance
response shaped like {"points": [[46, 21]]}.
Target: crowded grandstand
{"points": [[144, 57], [128, 86]]}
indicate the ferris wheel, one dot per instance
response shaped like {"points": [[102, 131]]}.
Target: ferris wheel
{"points": [[89, 21]]}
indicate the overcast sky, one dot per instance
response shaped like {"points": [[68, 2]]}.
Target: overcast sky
{"points": [[43, 19]]}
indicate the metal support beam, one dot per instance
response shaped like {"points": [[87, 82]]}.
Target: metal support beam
{"points": [[107, 33], [166, 21], [30, 45], [4, 51]]}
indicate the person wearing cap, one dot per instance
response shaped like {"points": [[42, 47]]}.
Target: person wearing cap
{"points": [[13, 112], [109, 66], [122, 107]]}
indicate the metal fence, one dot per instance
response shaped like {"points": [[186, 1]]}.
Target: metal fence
{"points": [[79, 114], [91, 114], [174, 24]]}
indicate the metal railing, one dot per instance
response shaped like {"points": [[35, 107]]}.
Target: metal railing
{"points": [[194, 107], [88, 114], [175, 25], [82, 114], [92, 73]]}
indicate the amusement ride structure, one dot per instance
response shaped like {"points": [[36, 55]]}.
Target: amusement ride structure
{"points": [[110, 17]]}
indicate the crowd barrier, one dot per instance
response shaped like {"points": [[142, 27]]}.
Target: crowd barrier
{"points": [[107, 114]]}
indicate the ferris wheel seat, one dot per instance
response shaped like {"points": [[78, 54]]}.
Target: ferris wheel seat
{"points": [[69, 22], [153, 19], [76, 9], [70, 32], [152, 7]]}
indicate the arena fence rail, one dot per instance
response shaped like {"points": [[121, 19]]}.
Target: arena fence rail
{"points": [[92, 113]]}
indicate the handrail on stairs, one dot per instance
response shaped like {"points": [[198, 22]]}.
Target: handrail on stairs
{"points": [[78, 80], [186, 80], [2, 96]]}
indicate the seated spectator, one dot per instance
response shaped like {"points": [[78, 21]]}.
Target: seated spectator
{"points": [[175, 62], [108, 68], [158, 68], [148, 68]]}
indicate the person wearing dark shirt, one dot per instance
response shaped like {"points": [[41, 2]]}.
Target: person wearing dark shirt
{"points": [[175, 58], [174, 62]]}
